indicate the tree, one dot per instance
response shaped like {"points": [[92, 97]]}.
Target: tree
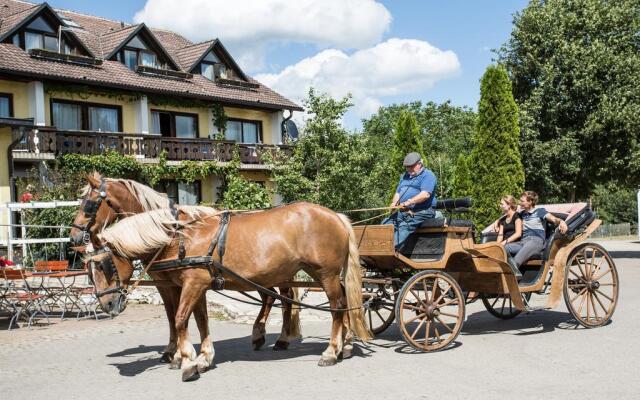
{"points": [[495, 163], [407, 139], [575, 68], [616, 204], [241, 194], [446, 132], [329, 166], [462, 185]]}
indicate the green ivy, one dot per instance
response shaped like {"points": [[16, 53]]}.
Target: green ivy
{"points": [[85, 92]]}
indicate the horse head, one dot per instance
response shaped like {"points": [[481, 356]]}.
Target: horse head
{"points": [[110, 274]]}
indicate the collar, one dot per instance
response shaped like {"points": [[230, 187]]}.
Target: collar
{"points": [[418, 174]]}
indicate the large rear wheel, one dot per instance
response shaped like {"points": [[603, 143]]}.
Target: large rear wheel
{"points": [[501, 306], [430, 310], [591, 285], [379, 298]]}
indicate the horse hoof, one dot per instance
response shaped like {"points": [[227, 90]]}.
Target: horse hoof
{"points": [[176, 363], [346, 352], [327, 362], [280, 345], [258, 343], [190, 374], [166, 358]]}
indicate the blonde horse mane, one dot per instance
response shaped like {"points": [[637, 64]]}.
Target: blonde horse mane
{"points": [[140, 234], [148, 198]]}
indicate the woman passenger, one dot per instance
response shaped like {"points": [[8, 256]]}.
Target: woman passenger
{"points": [[510, 225]]}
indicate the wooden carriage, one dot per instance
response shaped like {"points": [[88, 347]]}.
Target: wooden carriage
{"points": [[426, 286]]}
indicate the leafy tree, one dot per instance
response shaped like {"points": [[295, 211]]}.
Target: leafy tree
{"points": [[407, 139], [241, 194], [330, 166], [616, 203], [462, 185], [575, 67], [495, 163], [446, 132]]}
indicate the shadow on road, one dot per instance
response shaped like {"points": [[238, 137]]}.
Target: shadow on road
{"points": [[144, 358], [624, 254]]}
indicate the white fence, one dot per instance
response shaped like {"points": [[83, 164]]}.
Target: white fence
{"points": [[7, 237], [611, 230]]}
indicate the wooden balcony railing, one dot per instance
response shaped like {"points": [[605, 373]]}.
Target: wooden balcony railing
{"points": [[148, 146]]}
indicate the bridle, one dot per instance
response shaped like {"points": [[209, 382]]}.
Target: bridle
{"points": [[90, 209], [109, 270]]}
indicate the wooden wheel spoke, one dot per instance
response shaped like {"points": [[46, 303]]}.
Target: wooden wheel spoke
{"points": [[417, 296], [435, 328], [583, 297], [370, 319], [576, 275], [380, 316], [494, 302], [504, 300], [579, 294], [449, 314], [607, 297], [443, 324], [442, 295], [597, 268], [413, 335], [449, 302], [412, 307], [415, 317], [605, 309], [427, 335], [588, 296], [602, 274], [426, 289], [593, 306]]}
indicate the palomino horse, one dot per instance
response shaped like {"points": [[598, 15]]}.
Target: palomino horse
{"points": [[267, 247], [106, 200]]}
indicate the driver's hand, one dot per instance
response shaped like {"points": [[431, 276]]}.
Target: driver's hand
{"points": [[563, 227]]}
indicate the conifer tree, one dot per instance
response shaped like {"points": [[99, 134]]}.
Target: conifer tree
{"points": [[407, 139], [462, 178], [495, 163]]}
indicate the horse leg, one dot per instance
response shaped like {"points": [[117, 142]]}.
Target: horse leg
{"points": [[169, 300], [259, 331], [290, 321], [205, 358], [189, 297], [337, 300]]}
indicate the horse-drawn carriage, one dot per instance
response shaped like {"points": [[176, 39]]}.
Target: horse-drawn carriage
{"points": [[441, 267], [424, 288]]}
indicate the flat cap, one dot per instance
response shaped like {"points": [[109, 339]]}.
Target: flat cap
{"points": [[411, 159]]}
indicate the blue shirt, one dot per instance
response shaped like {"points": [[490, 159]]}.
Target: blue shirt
{"points": [[532, 222], [409, 187]]}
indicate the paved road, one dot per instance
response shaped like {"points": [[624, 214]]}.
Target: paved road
{"points": [[538, 355]]}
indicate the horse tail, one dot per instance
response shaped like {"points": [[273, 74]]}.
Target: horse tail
{"points": [[294, 327], [353, 285]]}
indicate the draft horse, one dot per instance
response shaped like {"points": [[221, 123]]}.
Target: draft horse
{"points": [[267, 248], [106, 200]]}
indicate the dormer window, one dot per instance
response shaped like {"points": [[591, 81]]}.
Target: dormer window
{"points": [[136, 52], [39, 34], [211, 67]]}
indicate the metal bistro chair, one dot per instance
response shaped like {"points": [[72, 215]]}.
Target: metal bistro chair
{"points": [[22, 298]]}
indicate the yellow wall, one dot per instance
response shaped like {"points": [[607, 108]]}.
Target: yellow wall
{"points": [[5, 192], [128, 109], [254, 115], [20, 97]]}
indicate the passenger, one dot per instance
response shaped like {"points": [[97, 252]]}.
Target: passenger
{"points": [[510, 225], [533, 233], [415, 195]]}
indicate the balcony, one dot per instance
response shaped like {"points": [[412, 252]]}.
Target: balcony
{"points": [[48, 144]]}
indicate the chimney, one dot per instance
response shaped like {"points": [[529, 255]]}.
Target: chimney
{"points": [[121, 24]]}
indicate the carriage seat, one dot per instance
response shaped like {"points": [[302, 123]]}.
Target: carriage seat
{"points": [[442, 222]]}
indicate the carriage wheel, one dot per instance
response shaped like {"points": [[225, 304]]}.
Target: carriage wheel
{"points": [[501, 306], [430, 310], [380, 313], [591, 285]]}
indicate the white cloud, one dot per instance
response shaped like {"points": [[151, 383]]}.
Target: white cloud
{"points": [[250, 26], [391, 68]]}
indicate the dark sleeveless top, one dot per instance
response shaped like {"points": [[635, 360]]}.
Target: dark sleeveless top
{"points": [[510, 226]]}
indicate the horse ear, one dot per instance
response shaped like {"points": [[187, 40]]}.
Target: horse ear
{"points": [[94, 179]]}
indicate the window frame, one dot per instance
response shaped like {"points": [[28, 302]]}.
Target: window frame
{"points": [[84, 111], [8, 96], [242, 121], [161, 63], [163, 186], [172, 126], [213, 65]]}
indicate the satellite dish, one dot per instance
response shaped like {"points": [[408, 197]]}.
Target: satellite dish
{"points": [[291, 129]]}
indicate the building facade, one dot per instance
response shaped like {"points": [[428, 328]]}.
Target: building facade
{"points": [[74, 83]]}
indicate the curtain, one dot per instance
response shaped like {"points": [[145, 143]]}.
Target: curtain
{"points": [[185, 126], [233, 131], [67, 116], [148, 59], [207, 71], [4, 107], [103, 119], [187, 193], [33, 41], [155, 122], [249, 132]]}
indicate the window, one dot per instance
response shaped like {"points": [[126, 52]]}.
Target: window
{"points": [[136, 52], [182, 192], [69, 115], [173, 124], [39, 34], [6, 105], [213, 70], [243, 131]]}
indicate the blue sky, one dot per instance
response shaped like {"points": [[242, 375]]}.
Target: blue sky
{"points": [[451, 40]]}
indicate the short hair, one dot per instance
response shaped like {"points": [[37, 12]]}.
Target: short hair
{"points": [[531, 196], [510, 200]]}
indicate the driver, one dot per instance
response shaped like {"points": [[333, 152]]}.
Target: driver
{"points": [[415, 196]]}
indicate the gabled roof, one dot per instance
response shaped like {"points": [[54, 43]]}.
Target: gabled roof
{"points": [[191, 56], [123, 36], [13, 23]]}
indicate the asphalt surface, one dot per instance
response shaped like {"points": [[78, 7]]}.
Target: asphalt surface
{"points": [[536, 355]]}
